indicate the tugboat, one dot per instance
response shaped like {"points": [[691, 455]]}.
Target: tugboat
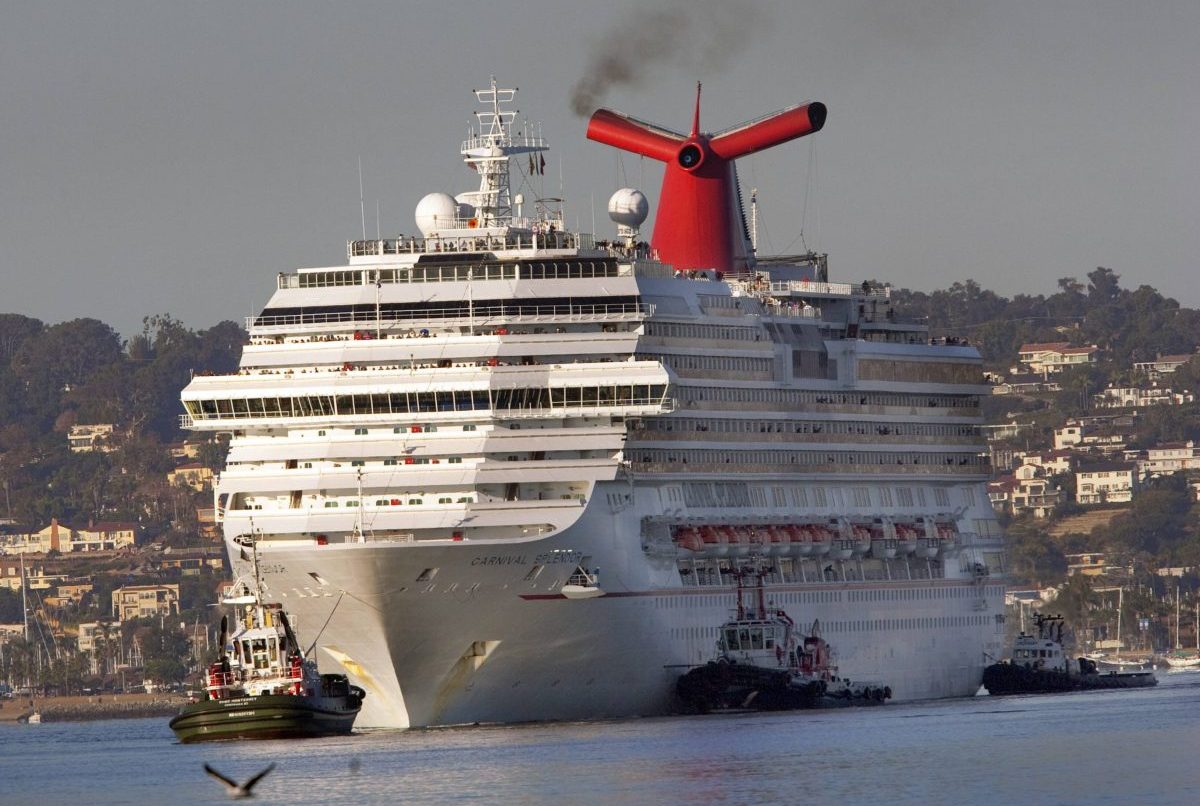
{"points": [[1038, 665], [262, 686], [764, 664]]}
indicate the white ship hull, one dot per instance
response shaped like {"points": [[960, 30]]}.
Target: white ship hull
{"points": [[478, 642]]}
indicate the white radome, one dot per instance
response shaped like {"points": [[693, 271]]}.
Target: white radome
{"points": [[436, 211], [628, 207], [466, 205]]}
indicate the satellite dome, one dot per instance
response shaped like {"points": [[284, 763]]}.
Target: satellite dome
{"points": [[628, 208], [436, 211], [466, 205]]}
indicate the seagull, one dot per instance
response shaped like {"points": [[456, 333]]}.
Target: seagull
{"points": [[233, 788]]}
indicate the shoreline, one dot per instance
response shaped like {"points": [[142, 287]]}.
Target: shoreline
{"points": [[92, 707]]}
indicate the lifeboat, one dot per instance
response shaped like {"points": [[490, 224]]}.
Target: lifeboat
{"points": [[716, 544], [800, 542], [862, 538], [778, 542], [883, 539], [821, 539], [906, 538], [947, 533], [686, 537], [739, 540]]}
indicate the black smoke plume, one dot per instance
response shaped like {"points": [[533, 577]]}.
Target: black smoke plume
{"points": [[697, 36]]}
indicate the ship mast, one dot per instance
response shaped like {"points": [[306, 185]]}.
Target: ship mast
{"points": [[488, 151]]}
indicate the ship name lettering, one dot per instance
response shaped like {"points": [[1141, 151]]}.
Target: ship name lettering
{"points": [[558, 557], [500, 559]]}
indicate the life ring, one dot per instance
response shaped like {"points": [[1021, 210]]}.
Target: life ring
{"points": [[472, 223]]}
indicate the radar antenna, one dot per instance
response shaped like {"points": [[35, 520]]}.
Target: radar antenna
{"points": [[488, 150]]}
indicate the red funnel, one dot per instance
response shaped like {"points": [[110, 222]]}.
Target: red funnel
{"points": [[699, 225]]}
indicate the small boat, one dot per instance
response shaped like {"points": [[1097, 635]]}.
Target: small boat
{"points": [[1038, 665], [262, 686], [1183, 661], [763, 663]]}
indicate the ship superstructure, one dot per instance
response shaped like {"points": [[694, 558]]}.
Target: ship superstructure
{"points": [[500, 471]]}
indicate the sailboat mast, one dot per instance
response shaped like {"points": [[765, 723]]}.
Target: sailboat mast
{"points": [[1120, 599], [1178, 645], [24, 601]]}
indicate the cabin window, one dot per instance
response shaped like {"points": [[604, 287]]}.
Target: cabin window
{"points": [[360, 432], [468, 428], [357, 463], [731, 640], [389, 462], [258, 651]]}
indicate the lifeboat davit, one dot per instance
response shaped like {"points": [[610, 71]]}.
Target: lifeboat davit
{"points": [[883, 539], [716, 544], [927, 540], [760, 542], [843, 541]]}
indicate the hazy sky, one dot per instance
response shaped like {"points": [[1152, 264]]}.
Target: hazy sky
{"points": [[173, 157]]}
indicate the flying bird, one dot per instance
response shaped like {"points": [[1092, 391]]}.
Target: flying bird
{"points": [[233, 788]]}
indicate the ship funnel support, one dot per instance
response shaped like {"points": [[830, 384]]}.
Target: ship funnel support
{"points": [[698, 224]]}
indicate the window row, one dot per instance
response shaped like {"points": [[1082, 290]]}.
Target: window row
{"points": [[722, 363], [807, 458], [703, 332], [456, 272], [423, 402], [722, 426], [803, 397]]}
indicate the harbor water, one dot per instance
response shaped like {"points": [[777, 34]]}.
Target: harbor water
{"points": [[1136, 746]]}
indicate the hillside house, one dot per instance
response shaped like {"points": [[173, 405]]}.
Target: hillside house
{"points": [[1134, 397], [193, 475], [1106, 483], [1163, 365], [1053, 357], [145, 601], [89, 438]]}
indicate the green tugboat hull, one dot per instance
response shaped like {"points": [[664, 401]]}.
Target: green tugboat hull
{"points": [[268, 716]]}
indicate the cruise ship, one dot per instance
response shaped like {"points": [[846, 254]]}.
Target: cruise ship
{"points": [[502, 471]]}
